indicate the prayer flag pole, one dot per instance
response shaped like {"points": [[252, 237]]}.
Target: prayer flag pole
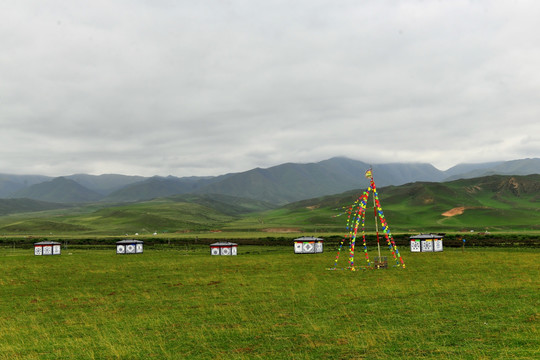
{"points": [[369, 174], [356, 215]]}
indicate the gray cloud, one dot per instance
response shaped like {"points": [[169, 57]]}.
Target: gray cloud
{"points": [[209, 87]]}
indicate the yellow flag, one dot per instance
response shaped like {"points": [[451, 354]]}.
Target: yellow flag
{"points": [[368, 174]]}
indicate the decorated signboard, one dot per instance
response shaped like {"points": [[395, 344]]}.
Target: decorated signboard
{"points": [[129, 247], [47, 248], [415, 245], [308, 245], [427, 245], [437, 244], [224, 248], [427, 242]]}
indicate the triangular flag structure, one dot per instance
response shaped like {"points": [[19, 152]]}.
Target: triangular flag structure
{"points": [[356, 215]]}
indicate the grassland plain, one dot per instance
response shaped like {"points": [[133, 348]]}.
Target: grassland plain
{"points": [[268, 303]]}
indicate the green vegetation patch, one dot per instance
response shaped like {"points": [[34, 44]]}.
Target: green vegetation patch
{"points": [[41, 226], [267, 303]]}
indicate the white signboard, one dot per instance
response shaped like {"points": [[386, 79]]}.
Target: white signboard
{"points": [[415, 245], [120, 249], [427, 245]]}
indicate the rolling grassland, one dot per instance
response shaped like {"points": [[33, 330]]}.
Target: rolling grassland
{"points": [[268, 303], [494, 204]]}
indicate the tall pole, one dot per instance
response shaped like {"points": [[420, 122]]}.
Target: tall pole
{"points": [[376, 226], [375, 213]]}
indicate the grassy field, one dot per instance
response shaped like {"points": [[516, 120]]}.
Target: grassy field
{"points": [[267, 303]]}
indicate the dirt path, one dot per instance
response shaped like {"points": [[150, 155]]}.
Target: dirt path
{"points": [[454, 211]]}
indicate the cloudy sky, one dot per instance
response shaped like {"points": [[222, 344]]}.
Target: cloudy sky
{"points": [[210, 87]]}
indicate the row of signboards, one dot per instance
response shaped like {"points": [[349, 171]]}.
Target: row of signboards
{"points": [[129, 247], [47, 248], [426, 243], [303, 245], [54, 248], [224, 248], [308, 245]]}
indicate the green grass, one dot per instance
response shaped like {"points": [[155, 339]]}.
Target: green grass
{"points": [[267, 303]]}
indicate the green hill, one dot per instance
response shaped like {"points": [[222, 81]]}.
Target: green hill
{"points": [[14, 206], [513, 167], [228, 205], [59, 190], [154, 216], [290, 182], [180, 213], [156, 187], [494, 203], [106, 183], [9, 183], [279, 184], [490, 203]]}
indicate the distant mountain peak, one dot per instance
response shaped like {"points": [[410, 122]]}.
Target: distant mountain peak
{"points": [[58, 190]]}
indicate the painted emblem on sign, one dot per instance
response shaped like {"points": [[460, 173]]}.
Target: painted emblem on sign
{"points": [[308, 247]]}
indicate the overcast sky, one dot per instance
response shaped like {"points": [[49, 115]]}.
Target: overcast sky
{"points": [[210, 87]]}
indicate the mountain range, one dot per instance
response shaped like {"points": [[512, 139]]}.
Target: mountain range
{"points": [[278, 185]]}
